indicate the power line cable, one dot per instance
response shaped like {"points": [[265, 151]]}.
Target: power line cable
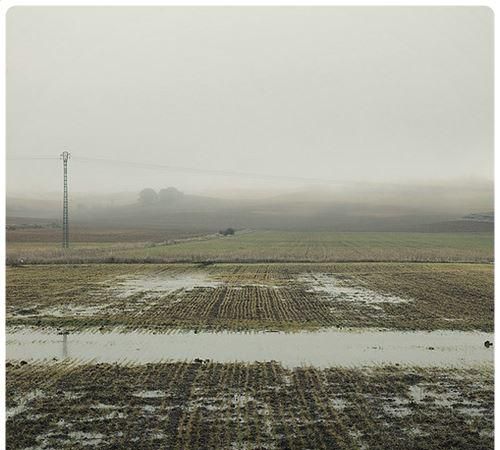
{"points": [[28, 158], [154, 166]]}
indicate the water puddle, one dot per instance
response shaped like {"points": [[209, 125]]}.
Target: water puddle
{"points": [[163, 284], [428, 396], [23, 404], [335, 290], [91, 439], [74, 310], [338, 403], [149, 394], [321, 349]]}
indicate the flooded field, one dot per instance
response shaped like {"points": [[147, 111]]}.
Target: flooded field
{"points": [[250, 356], [320, 349], [244, 297], [126, 286], [207, 405]]}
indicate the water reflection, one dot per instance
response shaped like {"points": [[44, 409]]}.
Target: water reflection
{"points": [[65, 346], [322, 349]]}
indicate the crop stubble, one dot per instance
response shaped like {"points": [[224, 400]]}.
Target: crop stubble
{"points": [[252, 296], [261, 405]]}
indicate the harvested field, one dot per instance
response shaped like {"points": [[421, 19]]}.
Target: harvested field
{"points": [[330, 246], [207, 405], [41, 252], [50, 236], [272, 246], [236, 297], [26, 252]]}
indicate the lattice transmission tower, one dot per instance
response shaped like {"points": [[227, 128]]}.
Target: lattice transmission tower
{"points": [[65, 243]]}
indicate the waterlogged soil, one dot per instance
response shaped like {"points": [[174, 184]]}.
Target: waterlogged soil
{"points": [[250, 356], [209, 405], [337, 289], [243, 297], [319, 349], [126, 286]]}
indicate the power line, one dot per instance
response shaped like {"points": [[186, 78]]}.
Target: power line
{"points": [[155, 166], [28, 158]]}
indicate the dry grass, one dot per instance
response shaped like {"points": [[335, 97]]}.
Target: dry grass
{"points": [[274, 247], [92, 234], [255, 406]]}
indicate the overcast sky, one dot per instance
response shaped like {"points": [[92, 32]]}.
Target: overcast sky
{"points": [[381, 94]]}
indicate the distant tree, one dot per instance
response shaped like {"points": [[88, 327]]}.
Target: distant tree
{"points": [[148, 196], [170, 195], [227, 232]]}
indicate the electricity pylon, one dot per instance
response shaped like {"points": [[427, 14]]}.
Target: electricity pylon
{"points": [[65, 242]]}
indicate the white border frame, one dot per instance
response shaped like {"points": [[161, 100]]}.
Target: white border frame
{"points": [[5, 5]]}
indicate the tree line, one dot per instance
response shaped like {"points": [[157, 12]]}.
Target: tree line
{"points": [[149, 196]]}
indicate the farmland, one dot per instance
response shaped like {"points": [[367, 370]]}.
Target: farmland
{"points": [[262, 340], [240, 297], [269, 246], [249, 228], [203, 405]]}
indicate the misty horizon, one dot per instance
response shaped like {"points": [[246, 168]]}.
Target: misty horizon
{"points": [[360, 95]]}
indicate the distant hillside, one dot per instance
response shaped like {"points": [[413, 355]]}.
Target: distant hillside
{"points": [[473, 222], [481, 217], [199, 214], [30, 208], [458, 226]]}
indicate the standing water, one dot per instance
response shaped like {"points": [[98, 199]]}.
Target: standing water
{"points": [[321, 349]]}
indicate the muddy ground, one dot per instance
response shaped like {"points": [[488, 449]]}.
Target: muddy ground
{"points": [[238, 297], [205, 405], [66, 392]]}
